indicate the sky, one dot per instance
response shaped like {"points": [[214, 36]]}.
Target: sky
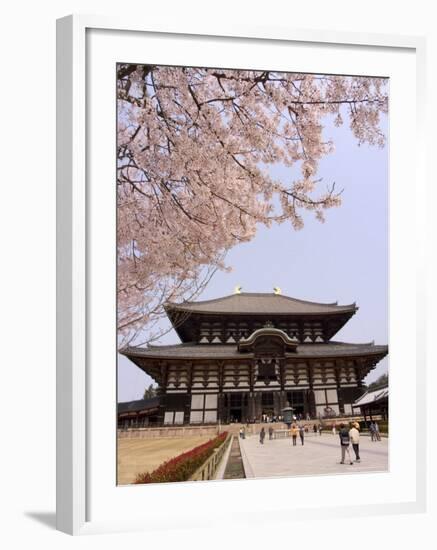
{"points": [[344, 259]]}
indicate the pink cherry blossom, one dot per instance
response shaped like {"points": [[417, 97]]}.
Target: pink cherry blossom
{"points": [[194, 151]]}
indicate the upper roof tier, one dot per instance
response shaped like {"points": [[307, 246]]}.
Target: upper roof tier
{"points": [[233, 317], [261, 303]]}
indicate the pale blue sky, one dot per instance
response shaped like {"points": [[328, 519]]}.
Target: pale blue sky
{"points": [[344, 259]]}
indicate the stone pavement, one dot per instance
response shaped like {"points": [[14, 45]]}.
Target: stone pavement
{"points": [[320, 455]]}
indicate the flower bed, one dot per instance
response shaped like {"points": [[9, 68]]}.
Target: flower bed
{"points": [[183, 466]]}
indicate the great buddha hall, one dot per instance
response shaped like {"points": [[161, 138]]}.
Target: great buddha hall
{"points": [[248, 355]]}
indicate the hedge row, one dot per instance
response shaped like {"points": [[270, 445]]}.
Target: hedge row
{"points": [[183, 466]]}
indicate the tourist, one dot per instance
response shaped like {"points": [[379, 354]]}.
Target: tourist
{"points": [[372, 431], [344, 443], [315, 428], [354, 435], [294, 432], [301, 433], [377, 434], [270, 433], [320, 429], [334, 430], [241, 433], [262, 435]]}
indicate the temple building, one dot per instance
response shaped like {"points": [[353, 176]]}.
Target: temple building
{"points": [[373, 404], [249, 355]]}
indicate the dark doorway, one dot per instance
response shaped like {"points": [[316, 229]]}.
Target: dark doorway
{"points": [[235, 415], [236, 405], [267, 403], [297, 401]]}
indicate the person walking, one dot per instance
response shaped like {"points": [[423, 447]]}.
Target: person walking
{"points": [[334, 429], [320, 429], [262, 435], [372, 431], [301, 433], [344, 443], [354, 435], [377, 434], [294, 432], [315, 428], [270, 433]]}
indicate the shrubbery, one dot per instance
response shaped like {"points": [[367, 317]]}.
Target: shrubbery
{"points": [[183, 466]]}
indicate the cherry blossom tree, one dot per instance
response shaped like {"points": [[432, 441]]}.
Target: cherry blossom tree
{"points": [[195, 148]]}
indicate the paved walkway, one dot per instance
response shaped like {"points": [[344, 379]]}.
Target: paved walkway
{"points": [[318, 456]]}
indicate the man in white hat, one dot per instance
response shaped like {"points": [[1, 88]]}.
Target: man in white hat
{"points": [[354, 435]]}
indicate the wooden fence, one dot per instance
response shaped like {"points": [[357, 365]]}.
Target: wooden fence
{"points": [[209, 468]]}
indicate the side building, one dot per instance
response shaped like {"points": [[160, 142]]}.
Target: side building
{"points": [[247, 356]]}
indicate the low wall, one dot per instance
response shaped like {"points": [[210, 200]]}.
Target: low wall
{"points": [[209, 467], [181, 431], [212, 430]]}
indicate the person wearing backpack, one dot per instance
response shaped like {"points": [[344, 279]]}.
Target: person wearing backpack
{"points": [[344, 443], [354, 435]]}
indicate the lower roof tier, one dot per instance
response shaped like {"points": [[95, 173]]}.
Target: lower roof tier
{"points": [[221, 352], [155, 360]]}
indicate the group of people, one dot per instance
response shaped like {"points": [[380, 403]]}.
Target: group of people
{"points": [[295, 431], [262, 434], [348, 436]]}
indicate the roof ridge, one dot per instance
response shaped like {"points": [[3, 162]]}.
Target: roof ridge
{"points": [[259, 294]]}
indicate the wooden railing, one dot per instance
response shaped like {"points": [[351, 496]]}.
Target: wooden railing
{"points": [[209, 468]]}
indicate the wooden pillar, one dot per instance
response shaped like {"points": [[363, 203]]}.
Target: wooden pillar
{"points": [[310, 394], [220, 404], [162, 390], [277, 403], [258, 405], [337, 370], [252, 407], [189, 368], [282, 373]]}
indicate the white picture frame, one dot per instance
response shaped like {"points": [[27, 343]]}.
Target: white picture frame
{"points": [[74, 344]]}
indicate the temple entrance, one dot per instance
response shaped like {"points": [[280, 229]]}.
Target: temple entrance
{"points": [[236, 403], [236, 415], [296, 399], [267, 405]]}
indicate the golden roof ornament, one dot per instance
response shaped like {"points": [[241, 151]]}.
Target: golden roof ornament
{"points": [[238, 289], [277, 290]]}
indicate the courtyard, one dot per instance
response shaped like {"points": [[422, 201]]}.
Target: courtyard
{"points": [[320, 455]]}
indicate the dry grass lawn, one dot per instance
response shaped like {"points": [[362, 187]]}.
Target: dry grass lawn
{"points": [[136, 456]]}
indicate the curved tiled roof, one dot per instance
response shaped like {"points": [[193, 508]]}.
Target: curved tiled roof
{"points": [[373, 396], [138, 405], [226, 351], [260, 303]]}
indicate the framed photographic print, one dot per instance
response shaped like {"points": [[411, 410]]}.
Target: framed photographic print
{"points": [[239, 292]]}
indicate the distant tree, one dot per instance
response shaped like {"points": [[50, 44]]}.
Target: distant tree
{"points": [[149, 392], [380, 382], [194, 150]]}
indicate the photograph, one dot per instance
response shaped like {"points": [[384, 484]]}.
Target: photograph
{"points": [[252, 274]]}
